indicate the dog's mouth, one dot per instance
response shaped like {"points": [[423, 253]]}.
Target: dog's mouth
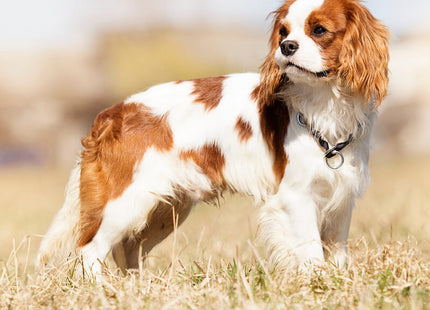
{"points": [[320, 74]]}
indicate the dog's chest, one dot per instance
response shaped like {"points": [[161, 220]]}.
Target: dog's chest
{"points": [[328, 180]]}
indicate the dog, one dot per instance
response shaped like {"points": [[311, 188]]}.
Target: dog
{"points": [[294, 137]]}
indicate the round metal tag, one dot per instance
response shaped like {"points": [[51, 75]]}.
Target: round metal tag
{"points": [[338, 154]]}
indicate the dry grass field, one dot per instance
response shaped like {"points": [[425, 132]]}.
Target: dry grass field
{"points": [[211, 262]]}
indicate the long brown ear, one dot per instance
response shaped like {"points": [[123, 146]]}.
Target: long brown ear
{"points": [[271, 75], [364, 56]]}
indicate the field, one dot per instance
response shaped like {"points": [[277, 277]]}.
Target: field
{"points": [[212, 262]]}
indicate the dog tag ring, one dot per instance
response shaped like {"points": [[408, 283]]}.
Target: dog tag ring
{"points": [[337, 154]]}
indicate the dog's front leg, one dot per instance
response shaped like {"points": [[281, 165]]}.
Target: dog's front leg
{"points": [[289, 229], [335, 234]]}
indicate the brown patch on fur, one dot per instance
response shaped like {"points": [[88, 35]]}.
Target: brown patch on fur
{"points": [[329, 16], [274, 116], [364, 56], [272, 77], [355, 47], [117, 141], [210, 159], [274, 121], [208, 91], [244, 129]]}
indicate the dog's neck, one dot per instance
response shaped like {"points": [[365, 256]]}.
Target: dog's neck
{"points": [[333, 112]]}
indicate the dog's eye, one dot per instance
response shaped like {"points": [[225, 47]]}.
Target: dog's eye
{"points": [[283, 32], [319, 30]]}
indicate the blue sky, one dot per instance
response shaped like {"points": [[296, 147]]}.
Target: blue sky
{"points": [[49, 23]]}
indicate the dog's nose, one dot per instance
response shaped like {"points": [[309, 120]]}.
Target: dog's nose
{"points": [[288, 48]]}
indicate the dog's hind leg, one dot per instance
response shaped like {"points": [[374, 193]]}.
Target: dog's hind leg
{"points": [[161, 222], [120, 218]]}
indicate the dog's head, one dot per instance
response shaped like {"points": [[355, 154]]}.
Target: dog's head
{"points": [[317, 41]]}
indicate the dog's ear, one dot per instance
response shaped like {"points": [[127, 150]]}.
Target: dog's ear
{"points": [[271, 76], [364, 56]]}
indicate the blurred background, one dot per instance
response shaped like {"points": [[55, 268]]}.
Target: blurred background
{"points": [[62, 61]]}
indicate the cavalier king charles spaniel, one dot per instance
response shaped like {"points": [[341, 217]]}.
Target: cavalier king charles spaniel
{"points": [[294, 137]]}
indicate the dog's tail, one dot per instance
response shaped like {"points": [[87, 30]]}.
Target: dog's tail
{"points": [[60, 240]]}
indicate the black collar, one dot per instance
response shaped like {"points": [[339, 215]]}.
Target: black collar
{"points": [[330, 151]]}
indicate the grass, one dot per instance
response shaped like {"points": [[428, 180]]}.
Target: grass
{"points": [[212, 262]]}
